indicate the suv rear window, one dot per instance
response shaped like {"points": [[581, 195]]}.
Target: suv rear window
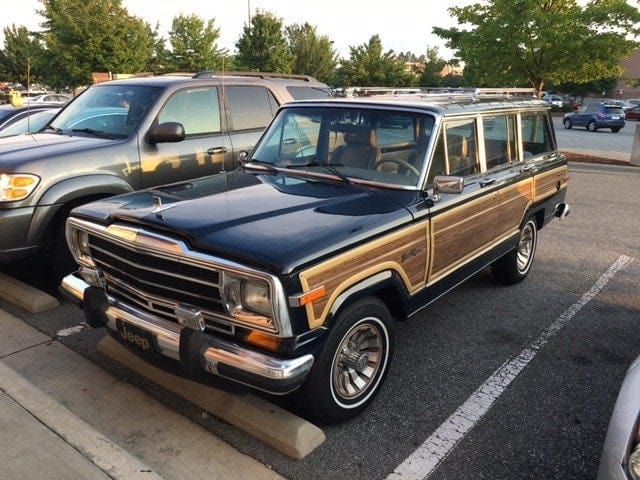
{"points": [[251, 107], [304, 93], [614, 111]]}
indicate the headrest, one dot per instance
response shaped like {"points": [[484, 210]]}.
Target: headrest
{"points": [[357, 135]]}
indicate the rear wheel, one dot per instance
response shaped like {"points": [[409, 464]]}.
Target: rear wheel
{"points": [[515, 265], [591, 126], [615, 129], [348, 372], [566, 123]]}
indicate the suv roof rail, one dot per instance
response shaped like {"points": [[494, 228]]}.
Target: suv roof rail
{"points": [[162, 74], [265, 75], [444, 91]]}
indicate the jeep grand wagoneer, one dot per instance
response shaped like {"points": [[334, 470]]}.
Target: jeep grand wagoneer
{"points": [[287, 274]]}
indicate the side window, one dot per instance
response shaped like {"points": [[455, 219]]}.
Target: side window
{"points": [[250, 107], [499, 140], [197, 110], [461, 148], [536, 135]]}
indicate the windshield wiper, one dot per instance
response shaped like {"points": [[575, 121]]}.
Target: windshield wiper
{"points": [[91, 131], [329, 168], [264, 165]]}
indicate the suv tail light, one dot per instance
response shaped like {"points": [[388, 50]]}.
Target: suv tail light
{"points": [[602, 116]]}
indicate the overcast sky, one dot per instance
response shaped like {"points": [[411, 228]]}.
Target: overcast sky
{"points": [[403, 25]]}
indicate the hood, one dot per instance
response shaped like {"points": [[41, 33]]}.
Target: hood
{"points": [[272, 221], [43, 145]]}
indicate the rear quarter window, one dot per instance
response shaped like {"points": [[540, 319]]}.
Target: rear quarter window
{"points": [[250, 107], [307, 93]]}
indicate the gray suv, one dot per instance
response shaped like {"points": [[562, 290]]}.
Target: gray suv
{"points": [[124, 135]]}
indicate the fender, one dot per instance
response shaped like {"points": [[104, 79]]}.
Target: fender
{"points": [[71, 191]]}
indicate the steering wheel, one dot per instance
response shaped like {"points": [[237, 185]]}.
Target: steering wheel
{"points": [[400, 163]]}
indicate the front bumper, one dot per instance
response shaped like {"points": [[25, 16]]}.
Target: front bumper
{"points": [[215, 355]]}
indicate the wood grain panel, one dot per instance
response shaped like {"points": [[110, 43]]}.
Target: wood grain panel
{"points": [[461, 231], [513, 203], [546, 184], [404, 252]]}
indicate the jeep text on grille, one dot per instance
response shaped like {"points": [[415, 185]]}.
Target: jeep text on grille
{"points": [[287, 274]]}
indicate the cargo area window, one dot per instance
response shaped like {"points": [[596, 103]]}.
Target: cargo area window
{"points": [[537, 138]]}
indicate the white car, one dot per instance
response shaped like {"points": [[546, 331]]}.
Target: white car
{"points": [[51, 98], [554, 100], [620, 458]]}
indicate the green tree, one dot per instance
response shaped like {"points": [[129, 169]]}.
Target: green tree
{"points": [[369, 66], [21, 56], [433, 65], [515, 43], [193, 44], [313, 54], [85, 36], [263, 46]]}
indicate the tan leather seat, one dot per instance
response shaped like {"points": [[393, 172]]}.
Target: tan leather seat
{"points": [[360, 149]]}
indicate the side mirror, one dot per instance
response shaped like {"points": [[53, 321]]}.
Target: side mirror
{"points": [[168, 132], [243, 156], [447, 184]]}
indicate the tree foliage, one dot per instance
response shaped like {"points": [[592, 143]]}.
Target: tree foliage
{"points": [[515, 43], [433, 65], [369, 66], [263, 47], [312, 54], [85, 36], [193, 45], [22, 55]]}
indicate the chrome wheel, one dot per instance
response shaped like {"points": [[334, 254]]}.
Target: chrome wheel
{"points": [[359, 358], [526, 246]]}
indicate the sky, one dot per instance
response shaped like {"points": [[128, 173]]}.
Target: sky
{"points": [[403, 25]]}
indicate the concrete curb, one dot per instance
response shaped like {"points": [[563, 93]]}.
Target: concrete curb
{"points": [[285, 432], [25, 296], [98, 449]]}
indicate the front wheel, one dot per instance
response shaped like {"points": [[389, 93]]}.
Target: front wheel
{"points": [[515, 265], [348, 371]]}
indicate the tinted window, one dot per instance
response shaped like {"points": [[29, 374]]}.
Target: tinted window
{"points": [[614, 111], [251, 107], [302, 93], [536, 134], [197, 110]]}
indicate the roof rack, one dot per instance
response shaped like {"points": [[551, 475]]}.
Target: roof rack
{"points": [[265, 75], [443, 91]]}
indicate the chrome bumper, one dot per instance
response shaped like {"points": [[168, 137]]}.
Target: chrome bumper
{"points": [[219, 357]]}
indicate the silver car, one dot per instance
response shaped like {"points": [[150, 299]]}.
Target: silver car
{"points": [[621, 451]]}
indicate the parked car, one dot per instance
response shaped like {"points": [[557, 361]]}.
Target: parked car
{"points": [[633, 113], [620, 458], [57, 98], [29, 124], [286, 274], [124, 135], [595, 116], [10, 114], [554, 100]]}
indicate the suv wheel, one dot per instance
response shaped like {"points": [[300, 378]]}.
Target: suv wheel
{"points": [[567, 123], [615, 129], [591, 126], [515, 265], [348, 371]]}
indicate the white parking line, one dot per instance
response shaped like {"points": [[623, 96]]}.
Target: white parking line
{"points": [[65, 332], [421, 463]]}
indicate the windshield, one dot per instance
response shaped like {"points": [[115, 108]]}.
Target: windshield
{"points": [[30, 123], [361, 144], [111, 110]]}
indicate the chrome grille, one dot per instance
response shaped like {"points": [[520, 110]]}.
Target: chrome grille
{"points": [[159, 284]]}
